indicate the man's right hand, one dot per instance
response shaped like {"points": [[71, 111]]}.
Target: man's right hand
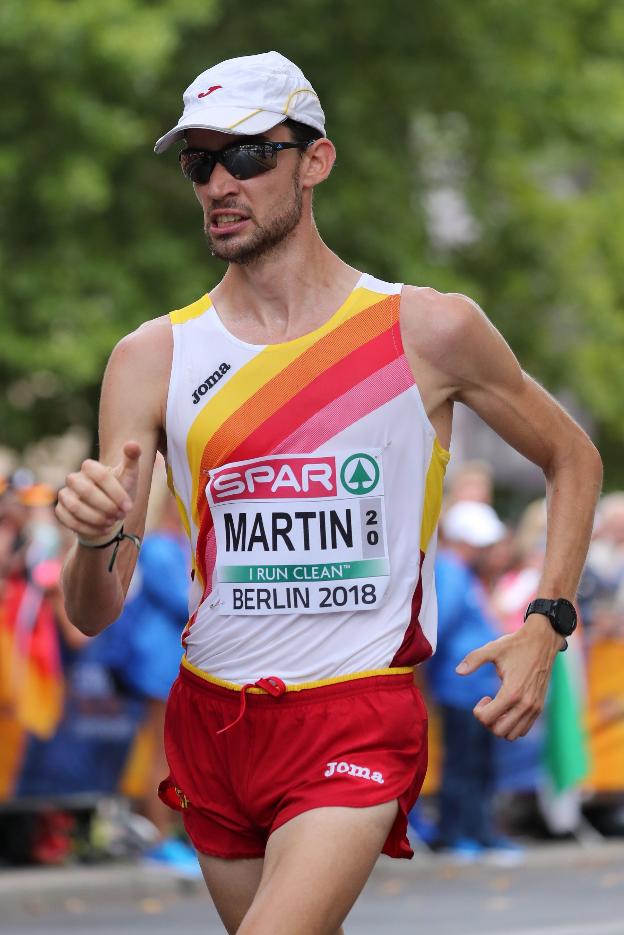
{"points": [[96, 499]]}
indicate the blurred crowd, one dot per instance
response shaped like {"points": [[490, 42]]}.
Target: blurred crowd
{"points": [[81, 719], [566, 777]]}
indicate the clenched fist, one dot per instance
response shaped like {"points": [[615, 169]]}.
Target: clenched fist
{"points": [[96, 499]]}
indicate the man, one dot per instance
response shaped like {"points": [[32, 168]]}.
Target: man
{"points": [[305, 411]]}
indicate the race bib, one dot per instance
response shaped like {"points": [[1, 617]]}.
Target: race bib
{"points": [[300, 533]]}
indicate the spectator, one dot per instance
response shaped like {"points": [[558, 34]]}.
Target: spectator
{"points": [[601, 599], [519, 766], [601, 591], [31, 690], [518, 586], [465, 798], [472, 481]]}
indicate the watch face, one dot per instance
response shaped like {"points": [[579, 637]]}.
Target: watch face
{"points": [[565, 617]]}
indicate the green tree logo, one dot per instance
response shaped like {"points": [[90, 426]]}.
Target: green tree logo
{"points": [[359, 474]]}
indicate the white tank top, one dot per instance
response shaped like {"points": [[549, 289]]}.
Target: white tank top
{"points": [[309, 480]]}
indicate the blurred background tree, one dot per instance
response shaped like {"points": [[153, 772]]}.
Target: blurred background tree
{"points": [[479, 150]]}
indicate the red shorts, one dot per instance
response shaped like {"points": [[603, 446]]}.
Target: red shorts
{"points": [[355, 743]]}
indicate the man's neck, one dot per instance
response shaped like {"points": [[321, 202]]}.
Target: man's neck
{"points": [[291, 291]]}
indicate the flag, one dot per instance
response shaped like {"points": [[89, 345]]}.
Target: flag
{"points": [[565, 755], [31, 676], [566, 751]]}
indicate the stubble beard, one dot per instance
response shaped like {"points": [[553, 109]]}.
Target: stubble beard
{"points": [[265, 239]]}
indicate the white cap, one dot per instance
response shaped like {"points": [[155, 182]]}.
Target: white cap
{"points": [[474, 523], [247, 95]]}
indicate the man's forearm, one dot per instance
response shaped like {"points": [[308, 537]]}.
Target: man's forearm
{"points": [[93, 595], [572, 492]]}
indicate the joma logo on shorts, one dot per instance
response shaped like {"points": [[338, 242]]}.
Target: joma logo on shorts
{"points": [[209, 382], [360, 772]]}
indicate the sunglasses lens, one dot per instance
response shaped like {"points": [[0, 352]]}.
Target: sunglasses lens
{"points": [[196, 165], [248, 160], [243, 161]]}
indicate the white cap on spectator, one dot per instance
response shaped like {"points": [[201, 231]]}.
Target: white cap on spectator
{"points": [[473, 523]]}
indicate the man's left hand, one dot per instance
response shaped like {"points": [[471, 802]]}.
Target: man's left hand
{"points": [[524, 661]]}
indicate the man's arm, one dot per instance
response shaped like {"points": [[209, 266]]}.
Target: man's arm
{"points": [[103, 494], [464, 358]]}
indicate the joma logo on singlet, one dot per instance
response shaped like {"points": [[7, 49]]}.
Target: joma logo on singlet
{"points": [[209, 382], [360, 772]]}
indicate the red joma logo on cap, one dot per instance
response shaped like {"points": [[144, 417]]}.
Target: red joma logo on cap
{"points": [[215, 87]]}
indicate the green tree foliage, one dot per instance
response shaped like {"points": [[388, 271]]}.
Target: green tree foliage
{"points": [[91, 220], [478, 150]]}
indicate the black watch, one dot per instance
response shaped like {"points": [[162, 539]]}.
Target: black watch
{"points": [[561, 614]]}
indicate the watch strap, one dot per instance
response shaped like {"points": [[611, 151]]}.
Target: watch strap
{"points": [[544, 606], [540, 605]]}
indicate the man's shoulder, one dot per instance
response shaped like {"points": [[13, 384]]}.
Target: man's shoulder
{"points": [[444, 314], [439, 327], [142, 359], [153, 337], [155, 330]]}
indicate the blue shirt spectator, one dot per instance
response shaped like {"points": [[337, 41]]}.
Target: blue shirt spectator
{"points": [[463, 625], [143, 647]]}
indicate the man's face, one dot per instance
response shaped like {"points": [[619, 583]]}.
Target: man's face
{"points": [[246, 220]]}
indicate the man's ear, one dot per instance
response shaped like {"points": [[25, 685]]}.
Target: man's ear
{"points": [[318, 160]]}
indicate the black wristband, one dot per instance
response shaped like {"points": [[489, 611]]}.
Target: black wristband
{"points": [[116, 540]]}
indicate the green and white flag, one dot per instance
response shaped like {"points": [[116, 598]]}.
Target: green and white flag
{"points": [[566, 758], [565, 754]]}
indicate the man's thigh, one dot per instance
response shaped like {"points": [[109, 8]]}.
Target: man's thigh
{"points": [[232, 885], [315, 867]]}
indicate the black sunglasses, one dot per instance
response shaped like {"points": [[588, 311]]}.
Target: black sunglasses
{"points": [[242, 160]]}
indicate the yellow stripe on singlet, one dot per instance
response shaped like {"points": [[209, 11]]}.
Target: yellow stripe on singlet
{"points": [[403, 670], [194, 310], [434, 484], [180, 503]]}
